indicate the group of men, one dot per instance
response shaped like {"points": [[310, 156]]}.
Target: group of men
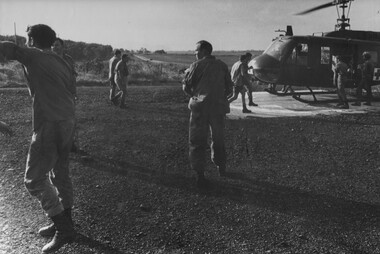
{"points": [[342, 70], [118, 77], [51, 81]]}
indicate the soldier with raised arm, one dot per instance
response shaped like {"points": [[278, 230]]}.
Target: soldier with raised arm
{"points": [[47, 169]]}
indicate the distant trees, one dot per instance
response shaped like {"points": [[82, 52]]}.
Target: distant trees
{"points": [[88, 51], [20, 40], [161, 51], [143, 51]]}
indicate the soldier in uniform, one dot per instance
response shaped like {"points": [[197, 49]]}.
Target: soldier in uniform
{"points": [[340, 69], [47, 174], [112, 64], [208, 83], [121, 78], [367, 70]]}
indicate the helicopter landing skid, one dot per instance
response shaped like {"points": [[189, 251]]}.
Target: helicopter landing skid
{"points": [[297, 95]]}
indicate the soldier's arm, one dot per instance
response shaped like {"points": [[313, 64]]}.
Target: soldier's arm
{"points": [[10, 51], [188, 81], [7, 51]]}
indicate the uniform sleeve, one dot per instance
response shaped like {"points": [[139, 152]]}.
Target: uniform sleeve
{"points": [[11, 51], [189, 80]]}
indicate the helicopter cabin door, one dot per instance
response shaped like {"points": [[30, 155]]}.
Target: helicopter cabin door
{"points": [[320, 64], [297, 69]]}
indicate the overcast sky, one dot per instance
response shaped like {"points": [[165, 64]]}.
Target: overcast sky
{"points": [[179, 24]]}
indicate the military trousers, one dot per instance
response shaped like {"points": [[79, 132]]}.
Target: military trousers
{"points": [[47, 175], [201, 124]]}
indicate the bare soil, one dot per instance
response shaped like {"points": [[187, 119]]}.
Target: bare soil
{"points": [[295, 185]]}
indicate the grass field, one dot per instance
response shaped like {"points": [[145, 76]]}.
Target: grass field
{"points": [[295, 185]]}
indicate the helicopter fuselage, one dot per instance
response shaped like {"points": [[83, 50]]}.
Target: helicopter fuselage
{"points": [[307, 60]]}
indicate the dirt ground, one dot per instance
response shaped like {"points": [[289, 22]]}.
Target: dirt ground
{"points": [[295, 185]]}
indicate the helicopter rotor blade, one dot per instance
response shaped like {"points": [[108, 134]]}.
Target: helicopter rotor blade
{"points": [[317, 8]]}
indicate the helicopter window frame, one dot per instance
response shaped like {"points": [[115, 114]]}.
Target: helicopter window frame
{"points": [[299, 54], [279, 49], [325, 55]]}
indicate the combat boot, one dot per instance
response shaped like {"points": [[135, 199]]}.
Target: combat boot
{"points": [[251, 103], [245, 110], [49, 231], [64, 233]]}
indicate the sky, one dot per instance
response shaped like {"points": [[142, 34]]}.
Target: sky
{"points": [[176, 25]]}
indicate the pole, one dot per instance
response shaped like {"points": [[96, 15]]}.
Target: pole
{"points": [[14, 25]]}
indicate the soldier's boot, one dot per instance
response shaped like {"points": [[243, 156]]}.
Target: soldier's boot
{"points": [[251, 103], [49, 231], [245, 110], [64, 233]]}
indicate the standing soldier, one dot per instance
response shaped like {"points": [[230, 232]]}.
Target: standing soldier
{"points": [[367, 70], [340, 69], [47, 174], [112, 64], [208, 82], [121, 78]]}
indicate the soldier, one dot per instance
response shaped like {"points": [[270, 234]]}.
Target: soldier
{"points": [[340, 69], [250, 82], [47, 168], [240, 78], [208, 82], [112, 64], [367, 70], [121, 78]]}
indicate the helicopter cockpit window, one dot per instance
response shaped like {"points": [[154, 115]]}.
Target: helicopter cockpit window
{"points": [[278, 49], [325, 55], [299, 54]]}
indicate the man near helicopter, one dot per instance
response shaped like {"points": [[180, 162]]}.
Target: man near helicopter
{"points": [[208, 83], [240, 78], [340, 69], [250, 85], [367, 70]]}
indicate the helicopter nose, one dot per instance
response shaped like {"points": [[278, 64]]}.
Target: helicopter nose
{"points": [[265, 68]]}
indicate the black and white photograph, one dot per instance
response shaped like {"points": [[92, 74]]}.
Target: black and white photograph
{"points": [[190, 127]]}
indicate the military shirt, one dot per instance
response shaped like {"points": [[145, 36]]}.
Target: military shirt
{"points": [[49, 80], [209, 82]]}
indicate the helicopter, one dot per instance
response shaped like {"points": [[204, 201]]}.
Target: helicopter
{"points": [[306, 61]]}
